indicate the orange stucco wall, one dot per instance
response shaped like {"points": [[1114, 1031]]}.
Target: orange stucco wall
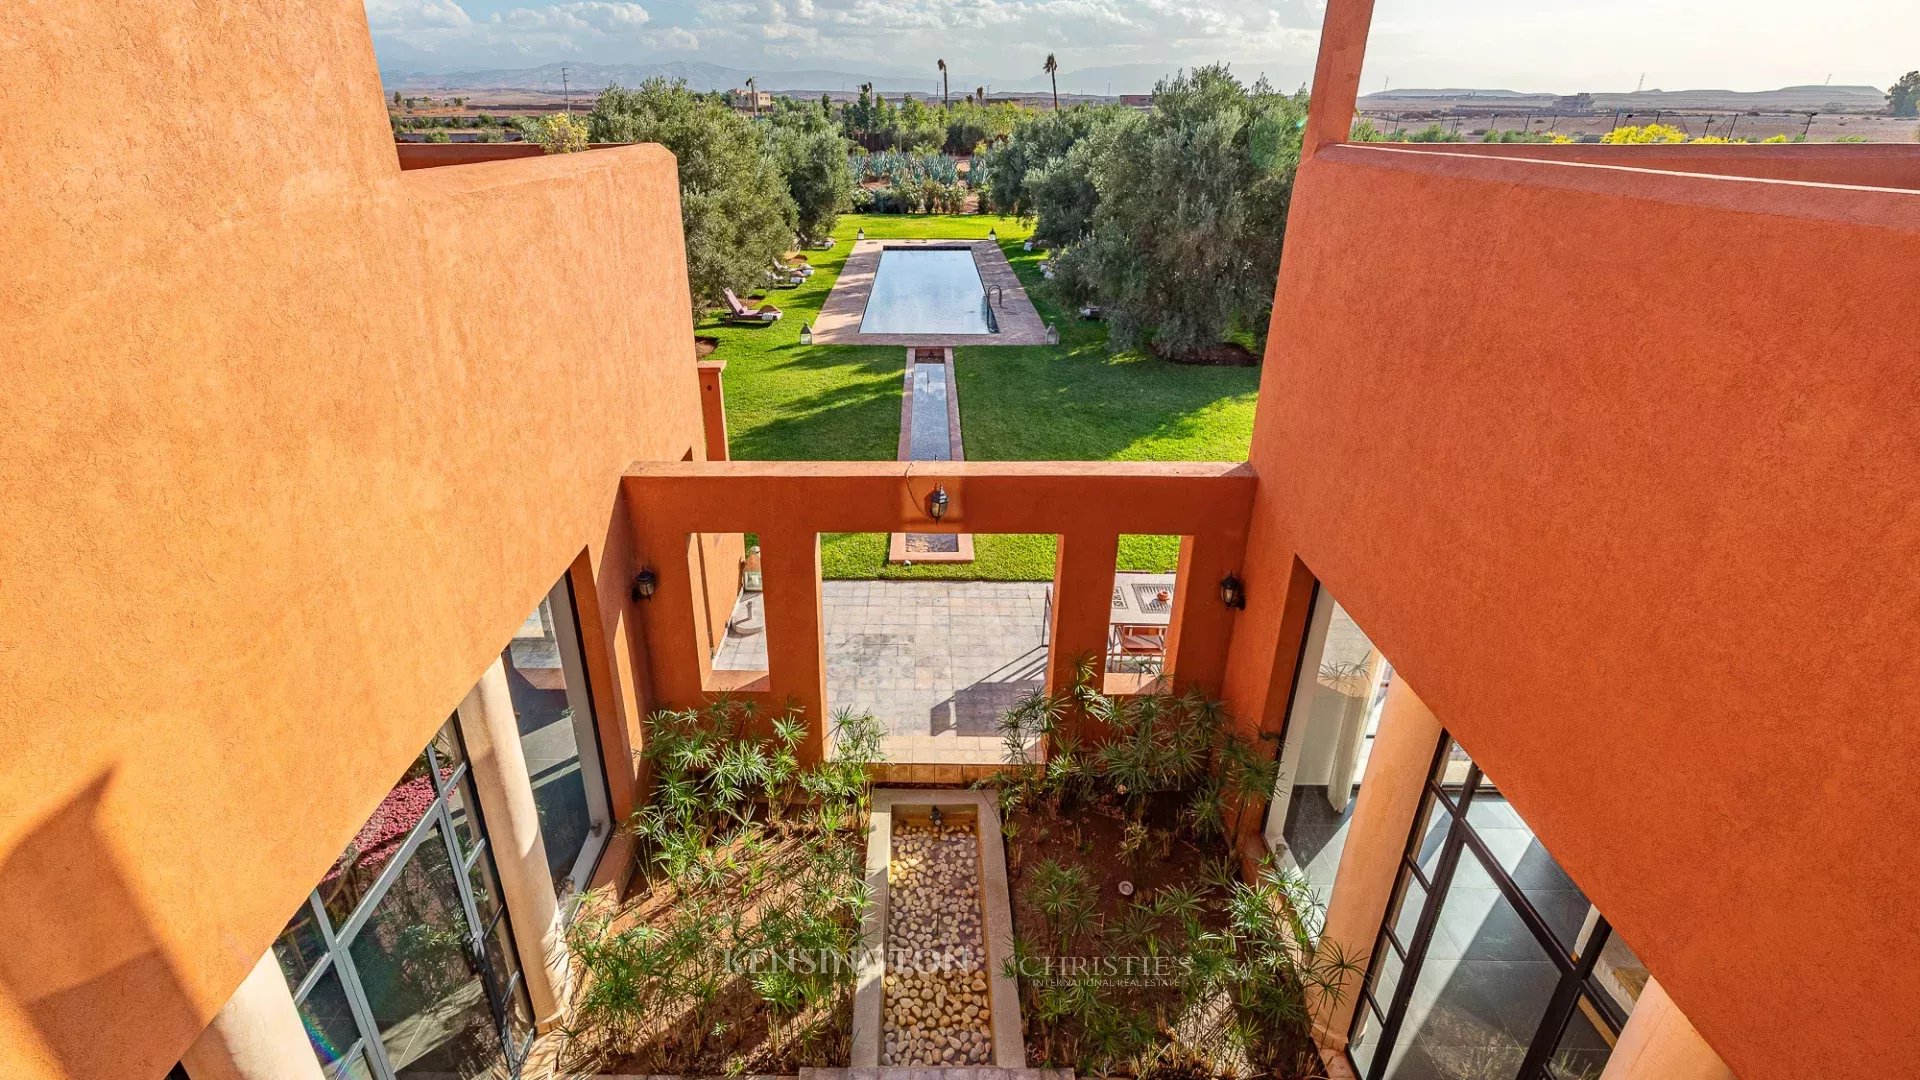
{"points": [[1620, 469], [292, 441], [789, 504]]}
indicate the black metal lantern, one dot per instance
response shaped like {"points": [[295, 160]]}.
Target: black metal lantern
{"points": [[937, 503], [1233, 593], [644, 584], [993, 235], [806, 333]]}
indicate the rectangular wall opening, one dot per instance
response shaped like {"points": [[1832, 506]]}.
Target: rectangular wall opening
{"points": [[1143, 611], [938, 653], [739, 641]]}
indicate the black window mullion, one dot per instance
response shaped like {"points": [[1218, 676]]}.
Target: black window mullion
{"points": [[1522, 905], [1566, 998], [1429, 918]]}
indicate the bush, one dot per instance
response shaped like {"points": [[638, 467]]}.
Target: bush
{"points": [[562, 134], [1649, 133], [747, 854], [1252, 966]]}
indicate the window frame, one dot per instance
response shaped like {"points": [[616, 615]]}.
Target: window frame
{"points": [[1577, 984]]}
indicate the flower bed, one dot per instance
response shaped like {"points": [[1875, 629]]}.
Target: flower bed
{"points": [[1138, 949], [736, 950]]}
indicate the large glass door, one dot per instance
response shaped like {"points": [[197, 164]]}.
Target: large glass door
{"points": [[402, 961], [1491, 963]]}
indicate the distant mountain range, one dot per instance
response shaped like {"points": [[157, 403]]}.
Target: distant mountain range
{"points": [[1785, 99], [697, 76], [1112, 79]]}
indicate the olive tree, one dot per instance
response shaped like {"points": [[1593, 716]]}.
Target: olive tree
{"points": [[1185, 237], [734, 203], [812, 156]]}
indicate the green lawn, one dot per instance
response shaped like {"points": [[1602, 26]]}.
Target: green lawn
{"points": [[1073, 401]]}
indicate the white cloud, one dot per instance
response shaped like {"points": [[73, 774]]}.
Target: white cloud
{"points": [[403, 15], [586, 17]]}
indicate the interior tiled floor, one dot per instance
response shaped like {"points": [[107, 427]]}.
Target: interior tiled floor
{"points": [[937, 662], [1480, 995]]}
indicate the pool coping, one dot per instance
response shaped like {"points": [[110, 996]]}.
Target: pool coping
{"points": [[897, 542], [839, 320]]}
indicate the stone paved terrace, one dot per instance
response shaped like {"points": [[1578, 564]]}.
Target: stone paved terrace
{"points": [[938, 662]]}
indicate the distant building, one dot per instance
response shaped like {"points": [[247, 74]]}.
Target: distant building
{"points": [[750, 100], [1137, 101]]}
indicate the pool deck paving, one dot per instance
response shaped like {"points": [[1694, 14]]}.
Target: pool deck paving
{"points": [[937, 662], [839, 320]]}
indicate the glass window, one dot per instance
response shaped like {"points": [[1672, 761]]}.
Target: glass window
{"points": [[548, 684], [385, 833], [421, 985], [1472, 994], [1366, 1037], [486, 887], [1337, 694], [300, 948], [448, 749], [1585, 1043], [331, 1029], [1480, 997], [1552, 893], [460, 807]]}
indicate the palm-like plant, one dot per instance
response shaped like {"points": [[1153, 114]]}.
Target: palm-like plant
{"points": [[943, 83], [1052, 68]]}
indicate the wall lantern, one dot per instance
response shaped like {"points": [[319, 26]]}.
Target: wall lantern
{"points": [[1053, 334], [806, 333], [1232, 593], [937, 503], [993, 235], [860, 233], [644, 584]]}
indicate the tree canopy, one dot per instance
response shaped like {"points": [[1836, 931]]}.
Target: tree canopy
{"points": [[807, 147], [1181, 242], [734, 200], [1904, 98]]}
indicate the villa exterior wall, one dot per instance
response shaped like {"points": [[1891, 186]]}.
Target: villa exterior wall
{"points": [[292, 442], [1619, 468]]}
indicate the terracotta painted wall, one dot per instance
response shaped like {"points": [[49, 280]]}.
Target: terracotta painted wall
{"points": [[292, 441], [1621, 470]]}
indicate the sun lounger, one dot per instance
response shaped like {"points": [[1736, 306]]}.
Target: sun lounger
{"points": [[741, 313]]}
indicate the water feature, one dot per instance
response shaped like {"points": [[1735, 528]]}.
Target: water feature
{"points": [[927, 290], [937, 1010]]}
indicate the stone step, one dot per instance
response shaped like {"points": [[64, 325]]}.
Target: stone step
{"points": [[949, 1072]]}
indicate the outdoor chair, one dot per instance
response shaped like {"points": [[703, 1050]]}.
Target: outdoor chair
{"points": [[741, 313]]}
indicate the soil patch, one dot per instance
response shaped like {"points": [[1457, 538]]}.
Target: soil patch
{"points": [[1223, 354], [703, 346]]}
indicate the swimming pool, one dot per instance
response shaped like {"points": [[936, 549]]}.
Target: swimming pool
{"points": [[927, 291]]}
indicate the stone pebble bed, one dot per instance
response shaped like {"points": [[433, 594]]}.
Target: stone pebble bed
{"points": [[936, 981]]}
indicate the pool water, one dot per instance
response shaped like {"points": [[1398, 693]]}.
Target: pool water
{"points": [[926, 291]]}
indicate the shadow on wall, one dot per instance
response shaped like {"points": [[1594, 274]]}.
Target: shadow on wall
{"points": [[76, 944]]}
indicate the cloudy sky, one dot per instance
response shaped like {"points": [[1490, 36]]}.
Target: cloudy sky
{"points": [[1558, 45]]}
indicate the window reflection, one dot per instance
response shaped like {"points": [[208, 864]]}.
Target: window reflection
{"points": [[378, 841], [413, 964], [556, 719]]}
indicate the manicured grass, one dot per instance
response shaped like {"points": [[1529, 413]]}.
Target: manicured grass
{"points": [[1074, 401]]}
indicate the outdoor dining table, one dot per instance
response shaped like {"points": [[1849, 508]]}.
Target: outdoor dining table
{"points": [[1137, 602]]}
